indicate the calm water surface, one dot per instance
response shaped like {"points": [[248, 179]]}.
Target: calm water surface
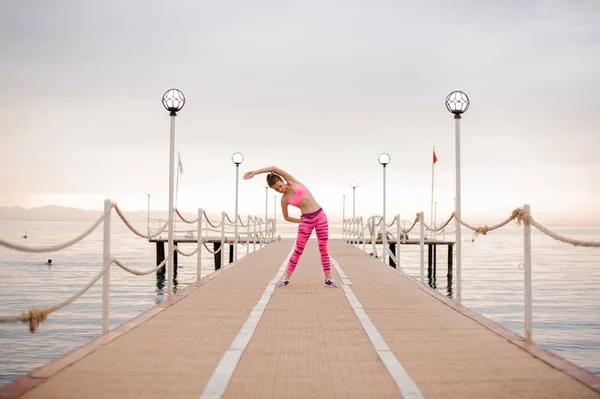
{"points": [[566, 307]]}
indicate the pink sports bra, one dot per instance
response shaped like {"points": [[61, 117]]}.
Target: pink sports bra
{"points": [[299, 193]]}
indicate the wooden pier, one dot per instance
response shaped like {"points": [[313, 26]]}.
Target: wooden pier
{"points": [[379, 335]]}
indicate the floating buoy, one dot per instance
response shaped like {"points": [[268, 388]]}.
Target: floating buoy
{"points": [[25, 235]]}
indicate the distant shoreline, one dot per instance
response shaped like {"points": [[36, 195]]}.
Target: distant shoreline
{"points": [[57, 213]]}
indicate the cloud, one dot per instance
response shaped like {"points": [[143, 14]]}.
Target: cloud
{"points": [[316, 87]]}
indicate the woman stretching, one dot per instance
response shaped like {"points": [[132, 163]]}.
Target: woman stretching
{"points": [[313, 217]]}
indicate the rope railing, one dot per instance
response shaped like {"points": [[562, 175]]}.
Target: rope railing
{"points": [[518, 215], [353, 232], [186, 253], [211, 223], [216, 227], [406, 231], [145, 272], [483, 230], [184, 219], [210, 250], [439, 229], [134, 230], [54, 248], [34, 317], [228, 219], [393, 222], [556, 236]]}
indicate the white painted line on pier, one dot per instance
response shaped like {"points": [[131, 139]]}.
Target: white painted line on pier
{"points": [[406, 385], [216, 386], [343, 277]]}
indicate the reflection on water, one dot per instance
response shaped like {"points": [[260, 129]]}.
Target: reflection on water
{"points": [[432, 282], [161, 282], [160, 285]]}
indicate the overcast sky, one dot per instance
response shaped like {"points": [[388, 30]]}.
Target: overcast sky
{"points": [[318, 88]]}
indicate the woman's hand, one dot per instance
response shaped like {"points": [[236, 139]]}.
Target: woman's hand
{"points": [[249, 175]]}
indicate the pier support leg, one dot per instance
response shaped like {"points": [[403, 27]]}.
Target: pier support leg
{"points": [[434, 260], [216, 246], [230, 253], [393, 252], [429, 259], [450, 247], [175, 262], [160, 256]]}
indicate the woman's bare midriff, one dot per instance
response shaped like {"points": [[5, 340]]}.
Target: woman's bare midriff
{"points": [[308, 204]]}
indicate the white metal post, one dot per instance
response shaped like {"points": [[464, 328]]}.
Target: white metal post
{"points": [[171, 216], [362, 232], [373, 236], [274, 217], [260, 232], [248, 236], [353, 202], [254, 236], [106, 275], [199, 254], [432, 188], [235, 237], [398, 232], [528, 294], [348, 230], [458, 226], [384, 233], [422, 245], [222, 238], [344, 214]]}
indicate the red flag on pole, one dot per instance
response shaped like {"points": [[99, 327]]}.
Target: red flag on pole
{"points": [[434, 157]]}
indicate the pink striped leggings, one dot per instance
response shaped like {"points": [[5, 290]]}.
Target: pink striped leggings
{"points": [[318, 221]]}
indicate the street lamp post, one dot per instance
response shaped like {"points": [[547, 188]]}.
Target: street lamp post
{"points": [[384, 159], [457, 103], [237, 159], [173, 100], [344, 216], [354, 184]]}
